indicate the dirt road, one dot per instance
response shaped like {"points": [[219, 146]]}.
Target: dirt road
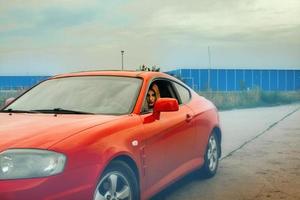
{"points": [[262, 162]]}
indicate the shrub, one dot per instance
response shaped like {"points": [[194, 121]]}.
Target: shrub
{"points": [[251, 98], [5, 94]]}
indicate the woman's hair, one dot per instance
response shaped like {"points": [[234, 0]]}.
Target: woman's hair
{"points": [[155, 89]]}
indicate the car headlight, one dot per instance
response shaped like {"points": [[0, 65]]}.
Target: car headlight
{"points": [[30, 163]]}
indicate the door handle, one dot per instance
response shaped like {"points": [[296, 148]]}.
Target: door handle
{"points": [[189, 117]]}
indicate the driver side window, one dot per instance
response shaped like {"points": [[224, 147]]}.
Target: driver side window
{"points": [[158, 89]]}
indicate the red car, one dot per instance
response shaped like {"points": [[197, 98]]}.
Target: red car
{"points": [[104, 135]]}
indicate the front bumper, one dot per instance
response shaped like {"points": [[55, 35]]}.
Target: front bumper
{"points": [[75, 184]]}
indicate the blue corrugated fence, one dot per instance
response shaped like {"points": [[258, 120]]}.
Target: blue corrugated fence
{"points": [[19, 82], [203, 79], [240, 79]]}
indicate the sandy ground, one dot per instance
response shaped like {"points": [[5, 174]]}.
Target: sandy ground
{"points": [[267, 167]]}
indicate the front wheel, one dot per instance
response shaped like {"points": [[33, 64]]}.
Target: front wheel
{"points": [[117, 182], [211, 158]]}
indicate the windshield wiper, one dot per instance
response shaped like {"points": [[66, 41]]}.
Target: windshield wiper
{"points": [[61, 111], [18, 111]]}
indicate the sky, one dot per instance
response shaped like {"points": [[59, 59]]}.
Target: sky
{"points": [[41, 37]]}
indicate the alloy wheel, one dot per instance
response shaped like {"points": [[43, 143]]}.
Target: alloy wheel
{"points": [[113, 186], [212, 153]]}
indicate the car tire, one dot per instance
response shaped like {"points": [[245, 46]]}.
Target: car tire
{"points": [[211, 158], [118, 181]]}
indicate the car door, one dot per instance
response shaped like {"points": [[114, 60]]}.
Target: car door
{"points": [[167, 141]]}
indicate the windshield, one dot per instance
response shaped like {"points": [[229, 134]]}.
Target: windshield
{"points": [[85, 94]]}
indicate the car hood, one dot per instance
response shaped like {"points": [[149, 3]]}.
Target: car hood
{"points": [[21, 130]]}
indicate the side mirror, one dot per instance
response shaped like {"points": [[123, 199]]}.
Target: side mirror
{"points": [[8, 101], [165, 105]]}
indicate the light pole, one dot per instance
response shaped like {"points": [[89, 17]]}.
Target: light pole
{"points": [[122, 55]]}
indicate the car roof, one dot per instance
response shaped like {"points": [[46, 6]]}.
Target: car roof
{"points": [[141, 74]]}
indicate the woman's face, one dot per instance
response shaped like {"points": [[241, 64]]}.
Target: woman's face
{"points": [[151, 98]]}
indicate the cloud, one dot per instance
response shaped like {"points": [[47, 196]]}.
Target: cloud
{"points": [[92, 32], [214, 20], [222, 20]]}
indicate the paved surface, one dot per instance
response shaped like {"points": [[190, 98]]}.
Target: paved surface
{"points": [[240, 126], [261, 158]]}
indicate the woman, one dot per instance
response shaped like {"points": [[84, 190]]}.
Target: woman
{"points": [[152, 96]]}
